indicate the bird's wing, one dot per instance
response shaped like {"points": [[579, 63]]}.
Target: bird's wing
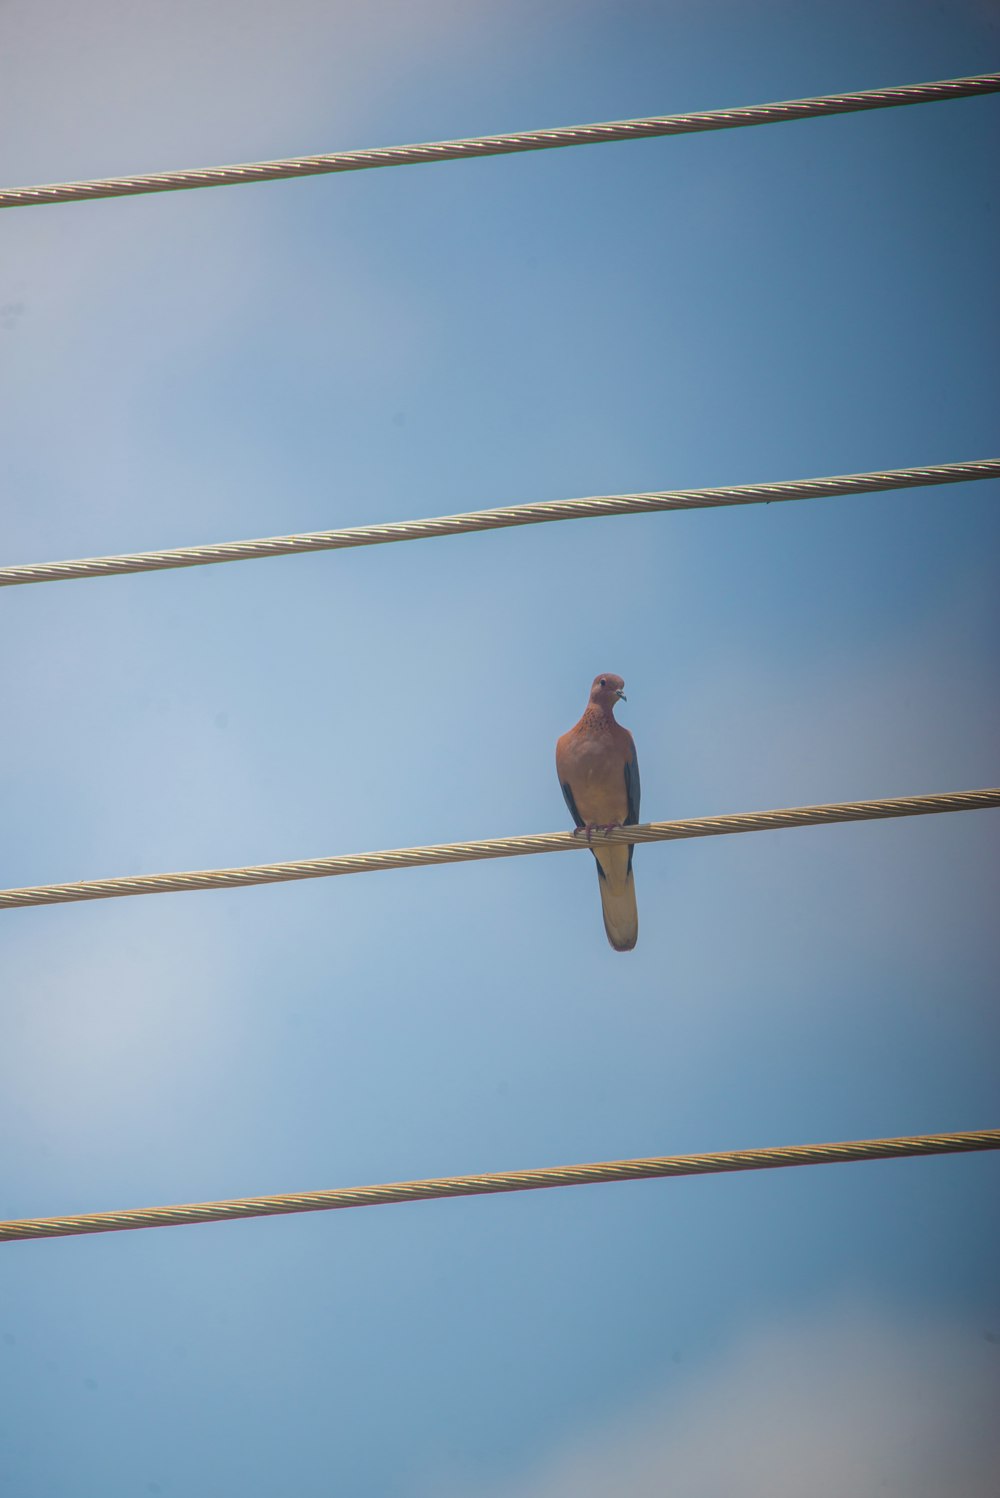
{"points": [[632, 793], [570, 802], [632, 788]]}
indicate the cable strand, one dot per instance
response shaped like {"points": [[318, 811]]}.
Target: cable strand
{"points": [[501, 1181], [499, 145], [511, 515], [503, 847]]}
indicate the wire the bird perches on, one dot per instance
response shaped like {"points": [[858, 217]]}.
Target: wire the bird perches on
{"points": [[502, 847]]}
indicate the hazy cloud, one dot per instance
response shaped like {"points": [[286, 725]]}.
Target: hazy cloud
{"points": [[845, 1401]]}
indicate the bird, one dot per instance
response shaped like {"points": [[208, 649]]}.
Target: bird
{"points": [[599, 776]]}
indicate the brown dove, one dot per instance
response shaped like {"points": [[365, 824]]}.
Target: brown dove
{"points": [[599, 775]]}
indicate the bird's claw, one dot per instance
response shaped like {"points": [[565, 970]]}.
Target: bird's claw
{"points": [[589, 828]]}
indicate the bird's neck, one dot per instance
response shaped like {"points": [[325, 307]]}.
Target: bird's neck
{"points": [[597, 718]]}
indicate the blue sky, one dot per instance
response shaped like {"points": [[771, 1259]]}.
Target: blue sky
{"points": [[761, 304]]}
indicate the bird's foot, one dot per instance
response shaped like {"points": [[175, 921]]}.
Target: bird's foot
{"points": [[589, 828]]}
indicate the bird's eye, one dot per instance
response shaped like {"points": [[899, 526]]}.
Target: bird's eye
{"points": [[602, 682]]}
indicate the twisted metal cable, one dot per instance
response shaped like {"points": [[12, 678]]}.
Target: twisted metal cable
{"points": [[493, 1183], [485, 520], [501, 145], [501, 847]]}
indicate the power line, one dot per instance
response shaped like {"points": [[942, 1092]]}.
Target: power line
{"points": [[485, 520], [495, 1182], [501, 145], [501, 847]]}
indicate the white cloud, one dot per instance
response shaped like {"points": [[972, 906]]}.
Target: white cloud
{"points": [[845, 1402], [127, 318], [115, 1020], [238, 78]]}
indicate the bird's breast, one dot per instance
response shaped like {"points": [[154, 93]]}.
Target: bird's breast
{"points": [[596, 776]]}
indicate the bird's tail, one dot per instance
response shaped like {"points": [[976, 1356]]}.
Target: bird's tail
{"points": [[621, 914]]}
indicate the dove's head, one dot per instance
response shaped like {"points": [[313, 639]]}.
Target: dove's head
{"points": [[607, 690]]}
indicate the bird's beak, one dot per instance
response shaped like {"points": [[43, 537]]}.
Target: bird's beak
{"points": [[620, 697]]}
